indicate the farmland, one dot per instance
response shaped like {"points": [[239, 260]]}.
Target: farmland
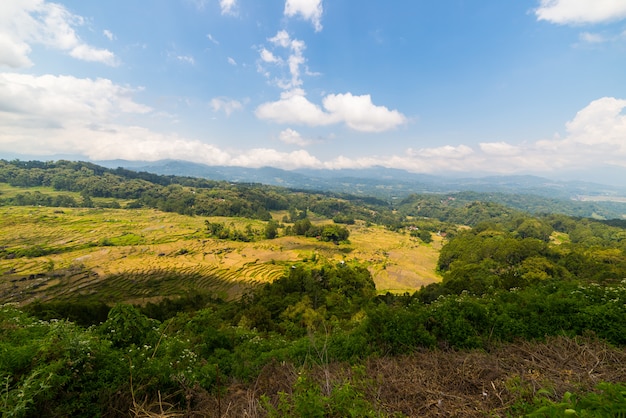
{"points": [[144, 254]]}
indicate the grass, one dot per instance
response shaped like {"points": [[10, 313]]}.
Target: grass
{"points": [[143, 254], [8, 191]]}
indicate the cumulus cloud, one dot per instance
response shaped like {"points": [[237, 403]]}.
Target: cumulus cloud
{"points": [[595, 137], [357, 112], [232, 61], [13, 52], [601, 123], [580, 11], [97, 119], [360, 114], [30, 22], [61, 99], [294, 108], [64, 114], [226, 105], [310, 10], [292, 137]]}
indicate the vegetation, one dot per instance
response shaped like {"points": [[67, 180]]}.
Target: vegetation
{"points": [[528, 317]]}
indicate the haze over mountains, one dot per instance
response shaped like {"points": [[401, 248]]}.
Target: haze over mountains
{"points": [[380, 181]]}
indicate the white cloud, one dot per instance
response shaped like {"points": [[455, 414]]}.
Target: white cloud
{"points": [[109, 35], [187, 59], [360, 114], [27, 22], [591, 38], [50, 115], [232, 61], [294, 60], [308, 9], [292, 137], [96, 118], [226, 105], [443, 152], [425, 160], [281, 38], [294, 108], [199, 4], [229, 7], [263, 157], [14, 53], [62, 114], [61, 99], [86, 53], [595, 137], [499, 149], [357, 112], [581, 11], [267, 56], [601, 123], [212, 39]]}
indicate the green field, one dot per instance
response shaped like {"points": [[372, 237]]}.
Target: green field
{"points": [[142, 255]]}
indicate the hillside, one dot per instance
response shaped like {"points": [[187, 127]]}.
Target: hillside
{"points": [[96, 253], [147, 295], [528, 193]]}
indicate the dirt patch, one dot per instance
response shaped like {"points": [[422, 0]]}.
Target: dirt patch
{"points": [[445, 383]]}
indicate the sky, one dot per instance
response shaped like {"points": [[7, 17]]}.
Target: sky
{"points": [[459, 87]]}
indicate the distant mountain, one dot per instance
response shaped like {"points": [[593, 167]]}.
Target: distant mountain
{"points": [[381, 182]]}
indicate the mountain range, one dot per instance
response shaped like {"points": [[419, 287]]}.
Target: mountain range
{"points": [[382, 182]]}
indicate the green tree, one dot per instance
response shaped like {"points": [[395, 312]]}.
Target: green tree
{"points": [[271, 229]]}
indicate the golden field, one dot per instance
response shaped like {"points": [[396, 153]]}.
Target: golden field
{"points": [[140, 255]]}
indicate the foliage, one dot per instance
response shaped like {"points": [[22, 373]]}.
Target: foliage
{"points": [[328, 233], [346, 399], [221, 231], [88, 184], [609, 400], [55, 368]]}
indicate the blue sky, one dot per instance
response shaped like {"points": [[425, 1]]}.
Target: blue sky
{"points": [[443, 87]]}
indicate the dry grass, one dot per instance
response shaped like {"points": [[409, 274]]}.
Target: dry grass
{"points": [[91, 245], [441, 383], [398, 262]]}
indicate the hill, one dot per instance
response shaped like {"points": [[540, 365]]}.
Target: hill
{"points": [[153, 295], [574, 198]]}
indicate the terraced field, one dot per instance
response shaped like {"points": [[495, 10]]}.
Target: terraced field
{"points": [[142, 255]]}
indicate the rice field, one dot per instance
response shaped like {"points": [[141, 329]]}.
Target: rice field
{"points": [[142, 255]]}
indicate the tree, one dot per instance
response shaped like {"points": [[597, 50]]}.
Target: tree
{"points": [[271, 230], [300, 227], [334, 233]]}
